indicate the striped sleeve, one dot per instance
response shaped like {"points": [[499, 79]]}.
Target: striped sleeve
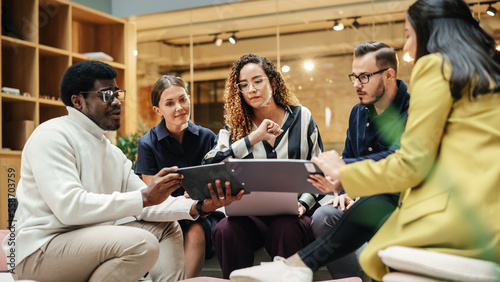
{"points": [[225, 149]]}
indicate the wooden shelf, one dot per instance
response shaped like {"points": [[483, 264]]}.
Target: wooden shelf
{"points": [[11, 152], [54, 35]]}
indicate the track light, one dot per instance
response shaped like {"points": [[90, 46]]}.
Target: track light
{"points": [[233, 38], [338, 26], [355, 23], [217, 41], [491, 11]]}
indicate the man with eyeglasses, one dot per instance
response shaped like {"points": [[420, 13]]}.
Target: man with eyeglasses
{"points": [[375, 126], [83, 214]]}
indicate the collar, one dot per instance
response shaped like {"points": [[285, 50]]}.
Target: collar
{"points": [[288, 109], [401, 96], [163, 132], [85, 122]]}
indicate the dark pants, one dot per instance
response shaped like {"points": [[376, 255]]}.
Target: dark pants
{"points": [[322, 221], [236, 238], [357, 226]]}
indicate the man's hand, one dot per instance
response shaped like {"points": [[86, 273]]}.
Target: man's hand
{"points": [[343, 200], [161, 186], [267, 130], [219, 198], [330, 163]]}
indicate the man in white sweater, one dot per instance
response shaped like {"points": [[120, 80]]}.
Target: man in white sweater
{"points": [[75, 185]]}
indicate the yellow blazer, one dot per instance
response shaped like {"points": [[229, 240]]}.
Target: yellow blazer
{"points": [[447, 168]]}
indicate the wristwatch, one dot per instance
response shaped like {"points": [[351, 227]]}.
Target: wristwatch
{"points": [[199, 209]]}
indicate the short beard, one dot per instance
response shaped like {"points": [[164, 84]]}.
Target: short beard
{"points": [[378, 94]]}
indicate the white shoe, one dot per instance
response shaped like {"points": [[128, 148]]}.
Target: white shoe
{"points": [[274, 271]]}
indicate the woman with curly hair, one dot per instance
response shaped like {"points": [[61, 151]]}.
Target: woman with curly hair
{"points": [[264, 120], [444, 169]]}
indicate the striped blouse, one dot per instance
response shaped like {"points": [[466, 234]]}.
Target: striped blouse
{"points": [[300, 140]]}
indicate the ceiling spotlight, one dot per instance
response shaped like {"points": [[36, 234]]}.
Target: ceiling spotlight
{"points": [[218, 41], [491, 11], [285, 68], [355, 23], [233, 39], [338, 26]]}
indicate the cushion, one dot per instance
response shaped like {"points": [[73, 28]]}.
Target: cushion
{"points": [[406, 277], [439, 265]]}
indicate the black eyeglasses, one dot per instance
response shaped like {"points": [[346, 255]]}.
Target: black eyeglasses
{"points": [[109, 96], [364, 78]]}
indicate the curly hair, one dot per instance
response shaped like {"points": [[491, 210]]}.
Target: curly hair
{"points": [[81, 77], [237, 113]]}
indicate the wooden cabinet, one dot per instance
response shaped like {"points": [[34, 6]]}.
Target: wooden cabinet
{"points": [[40, 40]]}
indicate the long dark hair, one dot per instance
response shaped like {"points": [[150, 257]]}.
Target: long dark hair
{"points": [[447, 27]]}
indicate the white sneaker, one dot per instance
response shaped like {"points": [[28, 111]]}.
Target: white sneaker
{"points": [[274, 271]]}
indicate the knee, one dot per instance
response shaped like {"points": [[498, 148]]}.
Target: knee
{"points": [[227, 227], [324, 218], [196, 234], [145, 247], [285, 227]]}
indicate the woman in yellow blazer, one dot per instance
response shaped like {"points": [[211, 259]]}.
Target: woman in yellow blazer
{"points": [[447, 167], [448, 150]]}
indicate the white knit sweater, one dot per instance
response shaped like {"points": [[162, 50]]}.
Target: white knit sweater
{"points": [[73, 177]]}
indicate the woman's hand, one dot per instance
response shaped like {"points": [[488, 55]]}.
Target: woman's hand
{"points": [[330, 163], [267, 130], [323, 183]]}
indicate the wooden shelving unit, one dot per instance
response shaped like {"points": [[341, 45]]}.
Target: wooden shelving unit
{"points": [[55, 34]]}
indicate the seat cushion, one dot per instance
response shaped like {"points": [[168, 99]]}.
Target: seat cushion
{"points": [[439, 265], [406, 277]]}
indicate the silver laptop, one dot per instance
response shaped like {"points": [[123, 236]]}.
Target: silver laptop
{"points": [[264, 203]]}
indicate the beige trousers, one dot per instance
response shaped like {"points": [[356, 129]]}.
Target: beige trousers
{"points": [[109, 253]]}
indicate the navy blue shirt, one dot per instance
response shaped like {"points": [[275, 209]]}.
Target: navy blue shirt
{"points": [[372, 136], [158, 149]]}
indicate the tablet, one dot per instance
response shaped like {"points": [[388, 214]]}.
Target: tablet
{"points": [[196, 179], [265, 175], [274, 175]]}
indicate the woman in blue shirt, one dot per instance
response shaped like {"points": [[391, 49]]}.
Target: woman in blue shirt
{"points": [[176, 141]]}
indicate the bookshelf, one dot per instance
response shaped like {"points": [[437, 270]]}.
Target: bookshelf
{"points": [[48, 37]]}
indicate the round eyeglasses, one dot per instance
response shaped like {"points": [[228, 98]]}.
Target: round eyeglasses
{"points": [[257, 83]]}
